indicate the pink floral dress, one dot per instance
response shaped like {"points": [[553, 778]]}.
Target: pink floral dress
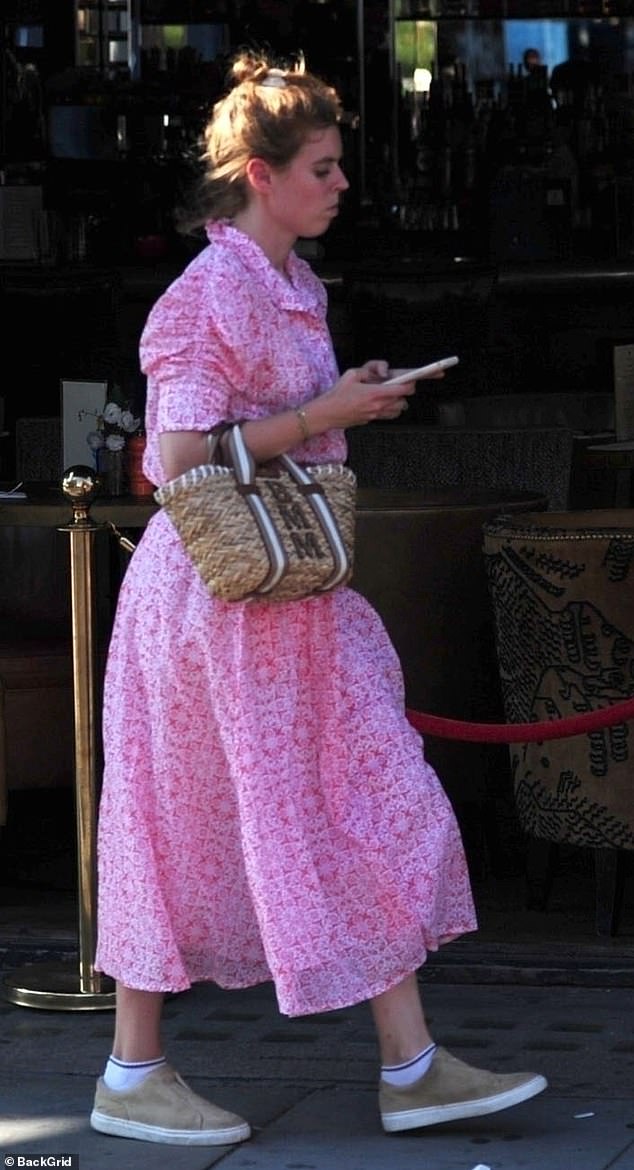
{"points": [[267, 811]]}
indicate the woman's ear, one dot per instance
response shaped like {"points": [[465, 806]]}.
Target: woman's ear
{"points": [[258, 173]]}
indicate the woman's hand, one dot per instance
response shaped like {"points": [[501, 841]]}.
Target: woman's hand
{"points": [[358, 397], [375, 370]]}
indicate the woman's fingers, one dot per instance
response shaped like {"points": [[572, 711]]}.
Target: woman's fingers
{"points": [[376, 370], [355, 401], [394, 409]]}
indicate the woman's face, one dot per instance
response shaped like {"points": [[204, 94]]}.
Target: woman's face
{"points": [[305, 195]]}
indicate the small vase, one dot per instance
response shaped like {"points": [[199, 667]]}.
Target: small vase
{"points": [[138, 483], [114, 472]]}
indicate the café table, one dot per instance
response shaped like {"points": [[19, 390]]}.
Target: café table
{"points": [[616, 457]]}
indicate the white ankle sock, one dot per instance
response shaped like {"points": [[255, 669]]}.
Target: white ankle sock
{"points": [[412, 1070], [121, 1075]]}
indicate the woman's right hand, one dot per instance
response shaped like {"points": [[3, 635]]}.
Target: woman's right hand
{"points": [[358, 398]]}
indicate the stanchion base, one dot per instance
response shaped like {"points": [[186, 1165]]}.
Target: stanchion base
{"points": [[57, 987]]}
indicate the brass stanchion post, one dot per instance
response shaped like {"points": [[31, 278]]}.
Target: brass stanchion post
{"points": [[63, 985]]}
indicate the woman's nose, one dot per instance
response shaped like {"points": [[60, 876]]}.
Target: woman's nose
{"points": [[341, 182]]}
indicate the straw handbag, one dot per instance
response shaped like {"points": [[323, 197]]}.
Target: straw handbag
{"points": [[277, 532]]}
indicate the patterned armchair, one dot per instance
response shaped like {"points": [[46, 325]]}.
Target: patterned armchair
{"points": [[562, 586]]}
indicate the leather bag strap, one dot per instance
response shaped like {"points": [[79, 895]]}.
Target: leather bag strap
{"points": [[318, 502], [242, 463]]}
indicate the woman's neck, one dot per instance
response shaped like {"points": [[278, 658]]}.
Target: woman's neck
{"points": [[275, 243]]}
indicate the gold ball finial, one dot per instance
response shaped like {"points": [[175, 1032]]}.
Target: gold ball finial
{"points": [[80, 485]]}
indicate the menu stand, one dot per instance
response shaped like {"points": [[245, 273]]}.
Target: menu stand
{"points": [[63, 985]]}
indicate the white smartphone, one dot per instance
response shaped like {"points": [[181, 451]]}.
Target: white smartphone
{"points": [[421, 372]]}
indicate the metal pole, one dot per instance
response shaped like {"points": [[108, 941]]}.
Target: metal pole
{"points": [[82, 537], [394, 98], [134, 39], [362, 103], [62, 985]]}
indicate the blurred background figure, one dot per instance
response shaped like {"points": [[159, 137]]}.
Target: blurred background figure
{"points": [[532, 60], [574, 79]]}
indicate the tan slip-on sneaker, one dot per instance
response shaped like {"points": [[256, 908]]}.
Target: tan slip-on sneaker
{"points": [[163, 1108], [451, 1090]]}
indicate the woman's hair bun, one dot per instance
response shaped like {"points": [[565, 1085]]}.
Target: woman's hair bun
{"points": [[252, 66], [249, 66]]}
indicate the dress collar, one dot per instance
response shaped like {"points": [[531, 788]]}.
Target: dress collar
{"points": [[292, 291]]}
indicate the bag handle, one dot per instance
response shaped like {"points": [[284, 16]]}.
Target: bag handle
{"points": [[317, 500], [243, 464], [241, 461]]}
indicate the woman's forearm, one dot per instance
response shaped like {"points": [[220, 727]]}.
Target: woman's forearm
{"points": [[265, 438], [356, 398]]}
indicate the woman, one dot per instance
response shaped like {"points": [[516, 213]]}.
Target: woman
{"points": [[267, 812]]}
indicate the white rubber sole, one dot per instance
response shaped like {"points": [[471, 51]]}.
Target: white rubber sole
{"points": [[435, 1114], [120, 1127]]}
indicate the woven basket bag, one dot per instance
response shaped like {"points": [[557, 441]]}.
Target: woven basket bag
{"points": [[276, 532]]}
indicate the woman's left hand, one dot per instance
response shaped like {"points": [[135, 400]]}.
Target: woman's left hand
{"points": [[375, 370]]}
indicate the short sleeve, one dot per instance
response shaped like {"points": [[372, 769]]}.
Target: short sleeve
{"points": [[187, 360]]}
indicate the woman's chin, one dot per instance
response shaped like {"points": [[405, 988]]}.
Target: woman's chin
{"points": [[312, 233]]}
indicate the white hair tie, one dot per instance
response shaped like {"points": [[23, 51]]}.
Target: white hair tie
{"points": [[275, 78]]}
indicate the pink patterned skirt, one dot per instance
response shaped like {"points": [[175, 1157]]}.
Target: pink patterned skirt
{"points": [[267, 811]]}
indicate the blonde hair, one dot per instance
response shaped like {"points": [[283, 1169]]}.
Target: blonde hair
{"points": [[268, 113]]}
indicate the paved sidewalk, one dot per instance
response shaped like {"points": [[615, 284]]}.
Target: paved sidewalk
{"points": [[308, 1085]]}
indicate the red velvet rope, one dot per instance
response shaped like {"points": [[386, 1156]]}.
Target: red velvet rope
{"points": [[522, 732]]}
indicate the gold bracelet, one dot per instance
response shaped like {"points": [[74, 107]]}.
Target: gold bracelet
{"points": [[300, 415]]}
